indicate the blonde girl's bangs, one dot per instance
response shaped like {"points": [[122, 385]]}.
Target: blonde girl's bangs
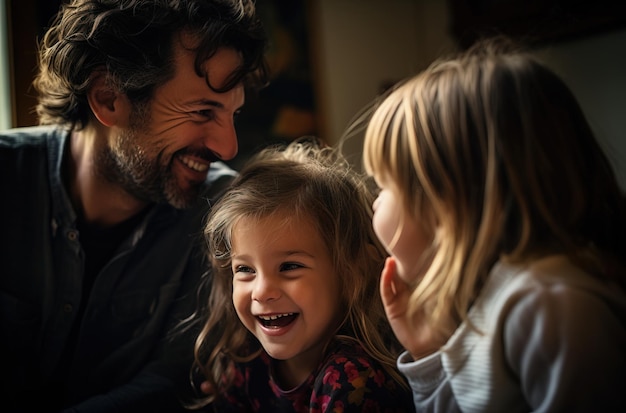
{"points": [[380, 145], [384, 140]]}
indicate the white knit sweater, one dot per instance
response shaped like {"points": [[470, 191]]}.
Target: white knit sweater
{"points": [[551, 338]]}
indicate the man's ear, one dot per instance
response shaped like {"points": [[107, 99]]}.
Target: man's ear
{"points": [[108, 106]]}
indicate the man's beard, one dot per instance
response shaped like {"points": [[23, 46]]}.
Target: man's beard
{"points": [[137, 169]]}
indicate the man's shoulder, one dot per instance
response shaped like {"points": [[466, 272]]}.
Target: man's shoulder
{"points": [[28, 137]]}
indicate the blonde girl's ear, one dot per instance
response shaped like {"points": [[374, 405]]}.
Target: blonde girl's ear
{"points": [[109, 106]]}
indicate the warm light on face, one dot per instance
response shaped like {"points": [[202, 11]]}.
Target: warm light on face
{"points": [[285, 288], [402, 236]]}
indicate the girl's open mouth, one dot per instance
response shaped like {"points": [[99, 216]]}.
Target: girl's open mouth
{"points": [[277, 320]]}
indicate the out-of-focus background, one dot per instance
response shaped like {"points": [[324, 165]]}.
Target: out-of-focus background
{"points": [[330, 58]]}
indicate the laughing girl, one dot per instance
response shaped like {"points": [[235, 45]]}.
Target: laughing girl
{"points": [[297, 324]]}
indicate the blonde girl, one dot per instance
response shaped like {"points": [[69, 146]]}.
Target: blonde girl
{"points": [[296, 322], [507, 235]]}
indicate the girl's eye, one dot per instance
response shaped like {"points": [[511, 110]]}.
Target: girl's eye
{"points": [[243, 273], [242, 268], [289, 266]]}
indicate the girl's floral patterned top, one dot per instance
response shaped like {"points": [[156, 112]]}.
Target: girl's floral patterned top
{"points": [[348, 380]]}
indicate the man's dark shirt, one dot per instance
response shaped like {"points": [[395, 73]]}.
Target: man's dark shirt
{"points": [[122, 359]]}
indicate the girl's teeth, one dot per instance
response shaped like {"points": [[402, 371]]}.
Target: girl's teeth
{"points": [[274, 317]]}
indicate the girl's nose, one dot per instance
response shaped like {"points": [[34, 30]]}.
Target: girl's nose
{"points": [[265, 289]]}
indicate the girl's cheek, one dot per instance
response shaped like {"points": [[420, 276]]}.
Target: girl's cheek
{"points": [[375, 204], [381, 229]]}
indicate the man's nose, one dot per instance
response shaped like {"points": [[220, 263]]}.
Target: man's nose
{"points": [[222, 141]]}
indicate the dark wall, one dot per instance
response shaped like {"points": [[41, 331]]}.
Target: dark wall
{"points": [[26, 20]]}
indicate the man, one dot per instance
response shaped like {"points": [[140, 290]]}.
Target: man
{"points": [[102, 207]]}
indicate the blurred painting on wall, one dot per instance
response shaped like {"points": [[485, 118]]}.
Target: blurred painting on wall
{"points": [[285, 109]]}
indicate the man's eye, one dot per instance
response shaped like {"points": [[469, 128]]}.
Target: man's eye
{"points": [[206, 114]]}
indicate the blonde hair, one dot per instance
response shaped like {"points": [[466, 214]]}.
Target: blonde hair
{"points": [[494, 148], [308, 181]]}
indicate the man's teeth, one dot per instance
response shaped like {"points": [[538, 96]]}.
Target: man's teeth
{"points": [[274, 317], [196, 166]]}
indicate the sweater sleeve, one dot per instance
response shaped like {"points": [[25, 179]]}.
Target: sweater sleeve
{"points": [[568, 349], [431, 387]]}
